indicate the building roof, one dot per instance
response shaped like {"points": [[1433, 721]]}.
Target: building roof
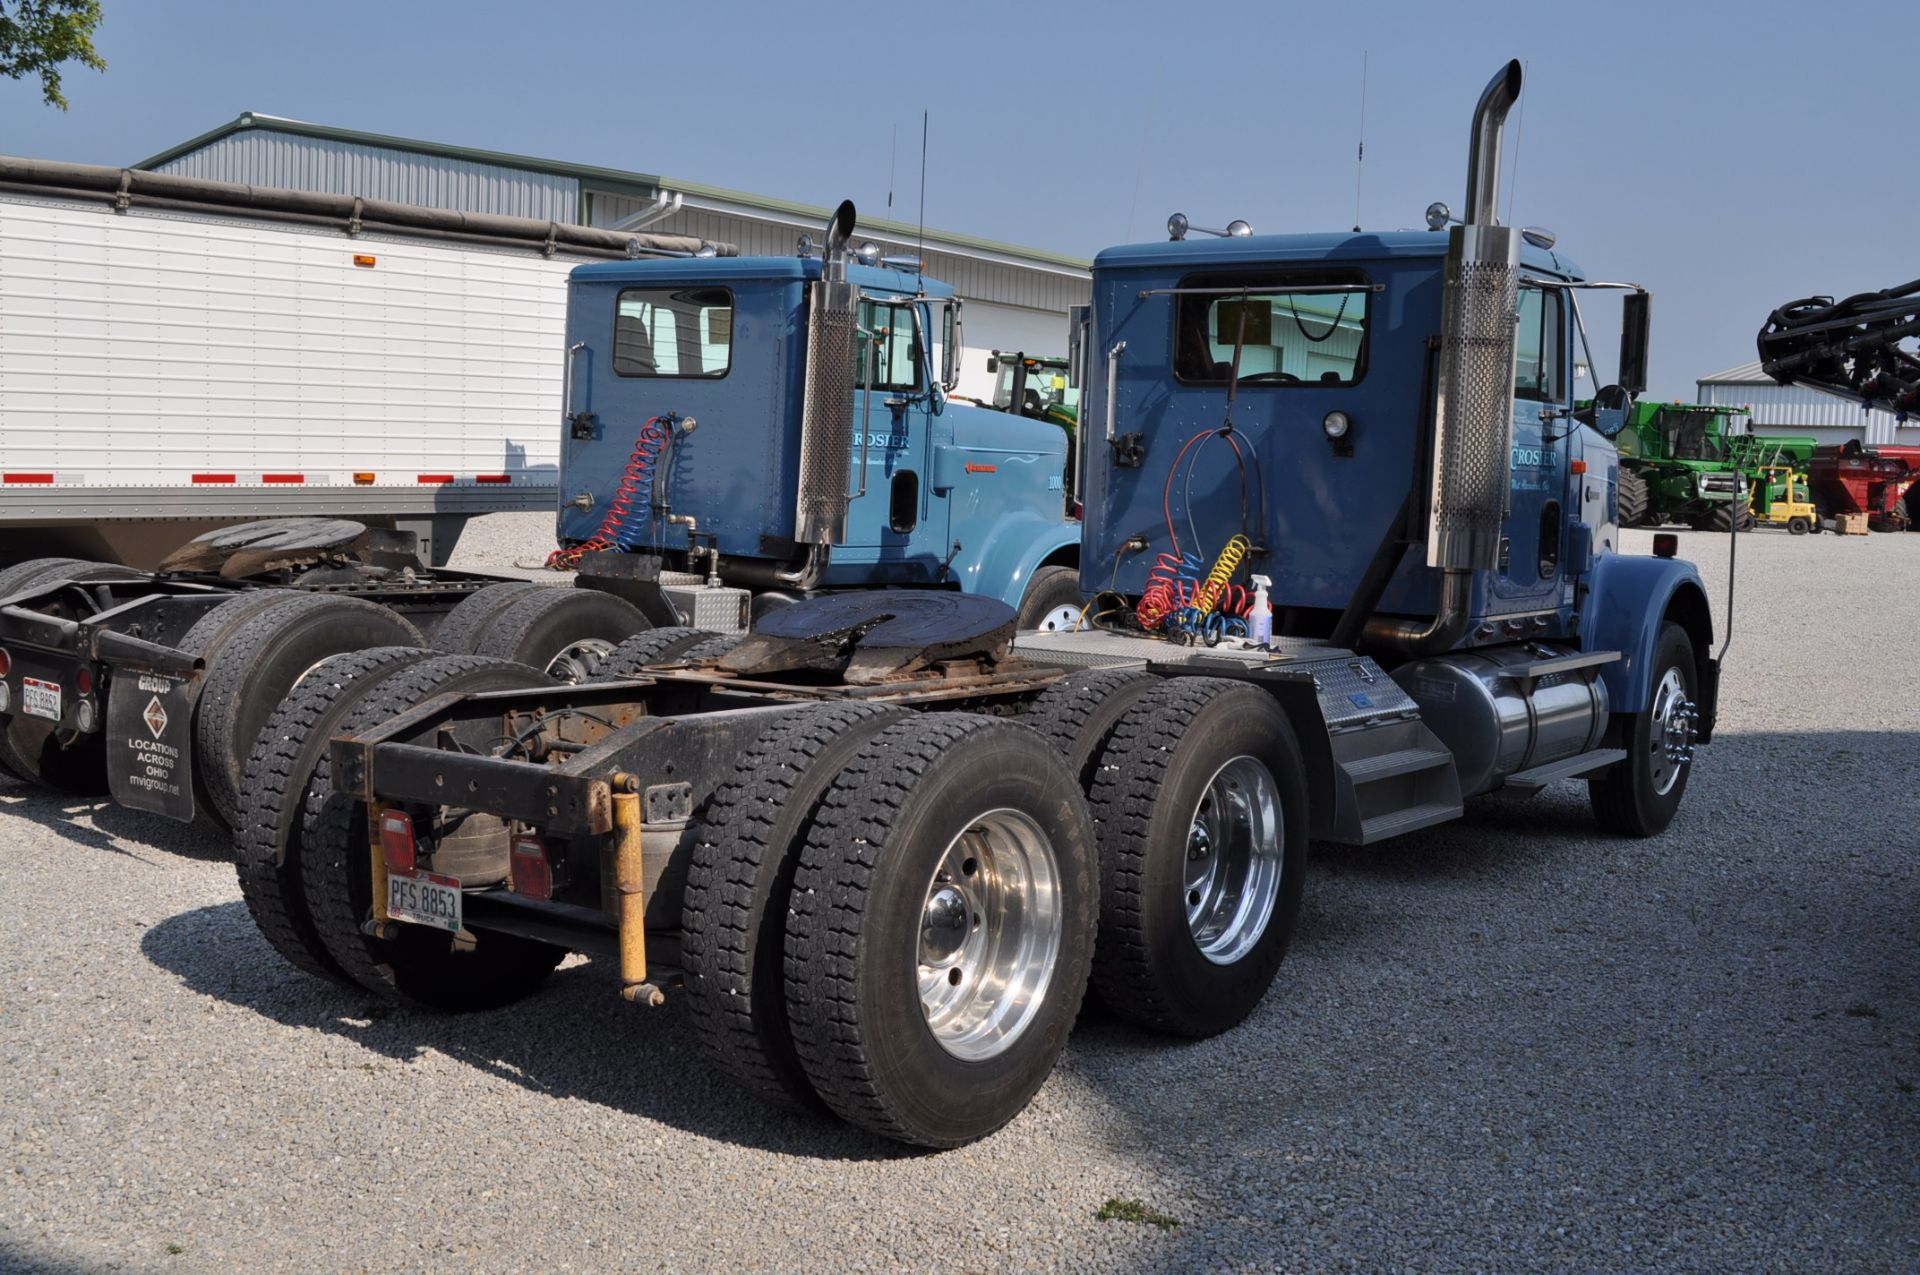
{"points": [[596, 177], [1741, 374]]}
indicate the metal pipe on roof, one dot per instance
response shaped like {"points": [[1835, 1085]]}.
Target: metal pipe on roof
{"points": [[130, 187]]}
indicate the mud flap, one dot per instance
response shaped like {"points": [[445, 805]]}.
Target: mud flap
{"points": [[150, 742]]}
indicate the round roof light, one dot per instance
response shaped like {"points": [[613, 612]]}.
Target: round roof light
{"points": [[1177, 227], [1438, 215], [868, 253], [1239, 229], [1336, 424]]}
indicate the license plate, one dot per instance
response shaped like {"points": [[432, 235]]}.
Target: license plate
{"points": [[40, 699], [424, 898]]}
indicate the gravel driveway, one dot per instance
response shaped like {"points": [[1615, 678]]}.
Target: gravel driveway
{"points": [[1506, 1043]]}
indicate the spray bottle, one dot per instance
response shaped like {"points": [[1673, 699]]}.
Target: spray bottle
{"points": [[1260, 623]]}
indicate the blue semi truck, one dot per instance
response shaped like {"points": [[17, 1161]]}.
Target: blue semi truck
{"points": [[1350, 562], [689, 496]]}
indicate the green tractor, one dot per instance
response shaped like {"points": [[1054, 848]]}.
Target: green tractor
{"points": [[1687, 463], [1035, 387]]}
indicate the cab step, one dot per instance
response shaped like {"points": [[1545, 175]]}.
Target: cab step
{"points": [[1401, 761], [1411, 819], [1526, 783]]}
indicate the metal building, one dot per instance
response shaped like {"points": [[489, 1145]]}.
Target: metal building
{"points": [[1796, 409], [1017, 298]]}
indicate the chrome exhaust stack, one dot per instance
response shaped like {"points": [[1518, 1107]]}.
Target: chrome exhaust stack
{"points": [[826, 413], [1473, 434]]}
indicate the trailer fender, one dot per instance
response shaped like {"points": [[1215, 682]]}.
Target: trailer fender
{"points": [[1010, 550], [1628, 599]]}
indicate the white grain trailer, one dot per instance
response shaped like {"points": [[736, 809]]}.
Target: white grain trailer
{"points": [[176, 354]]}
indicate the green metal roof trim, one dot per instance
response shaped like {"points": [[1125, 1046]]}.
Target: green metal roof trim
{"points": [[611, 180]]}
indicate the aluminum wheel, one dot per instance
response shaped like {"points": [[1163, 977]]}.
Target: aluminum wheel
{"points": [[989, 934], [1062, 619], [579, 661], [1670, 741], [1234, 858]]}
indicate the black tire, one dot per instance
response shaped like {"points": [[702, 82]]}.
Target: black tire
{"points": [[1627, 799], [643, 650], [461, 628], [853, 956], [1049, 589], [266, 842], [30, 747], [709, 648], [564, 633], [740, 883], [257, 649], [1721, 519], [417, 965], [1630, 497], [1153, 776], [1797, 526], [1077, 714]]}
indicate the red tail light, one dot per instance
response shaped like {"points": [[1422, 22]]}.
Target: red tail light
{"points": [[83, 681], [532, 874], [6, 664], [396, 841]]}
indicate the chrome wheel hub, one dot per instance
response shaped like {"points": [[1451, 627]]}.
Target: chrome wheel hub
{"points": [[579, 661], [1670, 741], [1234, 861], [990, 934], [1062, 619]]}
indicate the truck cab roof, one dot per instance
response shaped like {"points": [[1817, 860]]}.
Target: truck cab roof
{"points": [[672, 271], [1365, 246]]}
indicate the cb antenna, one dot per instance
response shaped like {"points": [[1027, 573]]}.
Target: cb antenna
{"points": [[921, 252], [1360, 156], [893, 164]]}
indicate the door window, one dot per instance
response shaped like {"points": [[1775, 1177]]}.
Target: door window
{"points": [[1537, 374], [895, 346]]}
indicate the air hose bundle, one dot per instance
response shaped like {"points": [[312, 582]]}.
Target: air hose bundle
{"points": [[1178, 599], [630, 510]]}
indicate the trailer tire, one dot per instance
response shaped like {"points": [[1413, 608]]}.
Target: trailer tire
{"points": [[633, 657], [1630, 497], [461, 628], [740, 885], [1077, 714], [30, 747], [888, 1042], [254, 664], [565, 633], [1157, 815], [417, 965], [709, 648], [266, 840], [1052, 601], [1635, 797]]}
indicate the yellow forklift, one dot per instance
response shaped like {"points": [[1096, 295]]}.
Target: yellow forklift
{"points": [[1780, 499]]}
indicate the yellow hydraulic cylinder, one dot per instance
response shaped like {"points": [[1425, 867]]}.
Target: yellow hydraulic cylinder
{"points": [[630, 883]]}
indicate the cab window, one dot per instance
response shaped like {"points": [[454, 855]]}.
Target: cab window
{"points": [[895, 346], [673, 332], [1285, 336], [1539, 372]]}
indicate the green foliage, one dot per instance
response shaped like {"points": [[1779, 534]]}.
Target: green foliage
{"points": [[1119, 1210], [38, 36]]}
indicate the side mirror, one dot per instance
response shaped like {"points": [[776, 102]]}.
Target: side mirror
{"points": [[1636, 330], [1608, 412], [993, 363], [1077, 319], [950, 347]]}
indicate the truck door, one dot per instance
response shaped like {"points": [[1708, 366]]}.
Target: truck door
{"points": [[1538, 476], [891, 525]]}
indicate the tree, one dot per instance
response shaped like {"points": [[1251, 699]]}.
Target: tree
{"points": [[37, 36]]}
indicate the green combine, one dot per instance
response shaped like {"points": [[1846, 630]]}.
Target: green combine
{"points": [[1685, 463]]}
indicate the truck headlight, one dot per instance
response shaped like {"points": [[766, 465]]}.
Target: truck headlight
{"points": [[1336, 424]]}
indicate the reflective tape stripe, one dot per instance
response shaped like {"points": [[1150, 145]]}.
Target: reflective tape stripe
{"points": [[28, 478]]}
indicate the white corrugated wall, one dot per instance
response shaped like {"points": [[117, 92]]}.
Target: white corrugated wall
{"points": [[1796, 409]]}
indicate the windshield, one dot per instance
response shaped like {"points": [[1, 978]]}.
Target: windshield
{"points": [[1688, 435], [1045, 385]]}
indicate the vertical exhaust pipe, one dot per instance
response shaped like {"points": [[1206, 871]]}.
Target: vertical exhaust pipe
{"points": [[826, 409], [1473, 430]]}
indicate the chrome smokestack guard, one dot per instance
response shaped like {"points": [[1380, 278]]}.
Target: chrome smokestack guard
{"points": [[826, 412], [1474, 436]]}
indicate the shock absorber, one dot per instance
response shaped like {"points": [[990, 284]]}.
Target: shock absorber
{"points": [[632, 503]]}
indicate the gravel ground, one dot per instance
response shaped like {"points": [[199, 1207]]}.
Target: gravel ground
{"points": [[1509, 1043]]}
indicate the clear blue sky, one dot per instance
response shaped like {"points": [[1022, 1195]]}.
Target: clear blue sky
{"points": [[1730, 157]]}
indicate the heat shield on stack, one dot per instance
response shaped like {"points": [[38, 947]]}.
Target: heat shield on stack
{"points": [[1471, 453], [826, 415]]}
